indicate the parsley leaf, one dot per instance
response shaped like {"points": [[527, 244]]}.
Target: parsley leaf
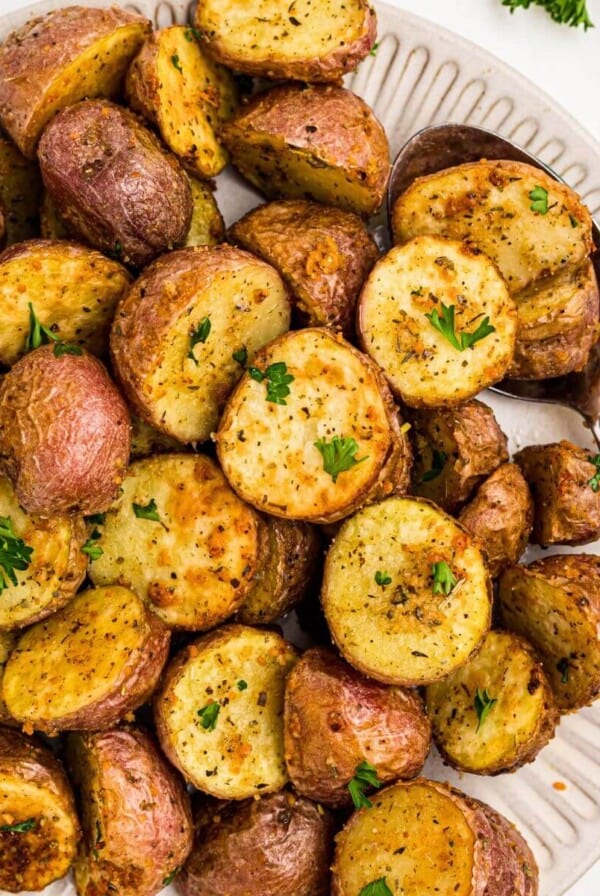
{"points": [[242, 685], [96, 519], [146, 512], [445, 324], [241, 356], [565, 12], [277, 379], [197, 336], [94, 551], [65, 348], [339, 455], [365, 775], [594, 482], [209, 715], [14, 553], [382, 578], [437, 465], [40, 335], [482, 704], [176, 62], [539, 200], [373, 50], [563, 667], [22, 827], [190, 33], [171, 876], [443, 578], [377, 887]]}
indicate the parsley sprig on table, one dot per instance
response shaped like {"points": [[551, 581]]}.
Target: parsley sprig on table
{"points": [[14, 553], [565, 12], [365, 775], [339, 455], [444, 322]]}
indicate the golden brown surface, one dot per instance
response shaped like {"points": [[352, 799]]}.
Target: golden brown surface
{"points": [[207, 227], [7, 642], [146, 441], [51, 227], [20, 193]]}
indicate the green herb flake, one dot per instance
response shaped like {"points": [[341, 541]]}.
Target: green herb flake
{"points": [[176, 62], [574, 221], [445, 324], [146, 512], [242, 685], [192, 34], [241, 356], [365, 775], [94, 551], [377, 887], [539, 200], [199, 336], [483, 704], [565, 12], [65, 348], [96, 519], [373, 50], [444, 579], [339, 455], [383, 578], [209, 715], [563, 666], [594, 482], [14, 553], [438, 463], [22, 827], [171, 876], [278, 381]]}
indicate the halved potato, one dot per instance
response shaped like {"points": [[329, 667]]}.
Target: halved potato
{"points": [[7, 643], [20, 192], [207, 227], [406, 592], [146, 441], [219, 711]]}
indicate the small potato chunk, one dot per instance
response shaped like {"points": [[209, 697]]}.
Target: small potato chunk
{"points": [[455, 449], [335, 720], [437, 317], [185, 331], [137, 821], [311, 142], [278, 845], [497, 711], [500, 517], [145, 440], [323, 253], [406, 592], [20, 193], [219, 711], [182, 540], [38, 823], [207, 227], [178, 88], [112, 182], [88, 665], [7, 643], [64, 432], [555, 604], [51, 226]]}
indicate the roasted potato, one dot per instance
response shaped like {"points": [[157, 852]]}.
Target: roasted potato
{"points": [[219, 711], [565, 483], [136, 816], [406, 592], [335, 720], [455, 450], [113, 184], [500, 517], [145, 440], [437, 317], [282, 40], [183, 334], [7, 643], [187, 96], [497, 711], [57, 59], [311, 142], [278, 845], [38, 823], [51, 226], [323, 253], [555, 604], [87, 666], [207, 227], [64, 432], [20, 193]]}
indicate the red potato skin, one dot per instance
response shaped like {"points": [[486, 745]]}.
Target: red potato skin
{"points": [[64, 433], [336, 718]]}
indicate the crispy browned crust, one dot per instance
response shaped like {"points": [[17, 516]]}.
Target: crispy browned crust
{"points": [[2, 228], [567, 509], [500, 517], [64, 433], [336, 718], [20, 193], [90, 154]]}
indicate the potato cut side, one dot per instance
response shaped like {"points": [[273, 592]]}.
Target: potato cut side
{"points": [[428, 280], [378, 592], [20, 193], [219, 711], [88, 665], [7, 643], [207, 227], [193, 557], [51, 227], [497, 711]]}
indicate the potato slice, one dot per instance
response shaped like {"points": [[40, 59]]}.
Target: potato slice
{"points": [[406, 592], [88, 665], [20, 193], [219, 711], [207, 227], [55, 60]]}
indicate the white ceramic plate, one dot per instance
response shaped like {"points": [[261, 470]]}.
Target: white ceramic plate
{"points": [[421, 75]]}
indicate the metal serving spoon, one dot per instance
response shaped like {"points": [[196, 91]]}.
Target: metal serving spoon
{"points": [[442, 146]]}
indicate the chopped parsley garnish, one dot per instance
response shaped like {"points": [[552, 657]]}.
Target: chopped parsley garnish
{"points": [[22, 827], [565, 12], [365, 775], [539, 200], [65, 348], [377, 887], [209, 715], [94, 551], [241, 356], [176, 62], [383, 578], [445, 324], [574, 221], [190, 33], [594, 482], [96, 519], [563, 667], [437, 465], [483, 704], [198, 336], [373, 50], [339, 455], [242, 685], [277, 379], [171, 876], [443, 578], [14, 553], [40, 335], [146, 512]]}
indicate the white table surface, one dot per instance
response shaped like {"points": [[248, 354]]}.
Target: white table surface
{"points": [[565, 62]]}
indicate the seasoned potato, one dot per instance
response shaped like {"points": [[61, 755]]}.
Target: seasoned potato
{"points": [[178, 88], [176, 333], [88, 665], [73, 290], [145, 440], [51, 226], [565, 483], [500, 517], [113, 184], [406, 592], [207, 227], [323, 253], [182, 540], [335, 720], [555, 604], [497, 711], [278, 845], [311, 142], [7, 642], [136, 815], [456, 448], [219, 711], [38, 824], [64, 432], [437, 317], [55, 60], [450, 846], [20, 192]]}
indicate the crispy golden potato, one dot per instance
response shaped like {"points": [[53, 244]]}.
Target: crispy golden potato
{"points": [[323, 253], [38, 823], [51, 226], [335, 720], [497, 711], [183, 334], [55, 60], [311, 142], [136, 816], [146, 441], [555, 604], [219, 711], [406, 592], [88, 665], [207, 227], [500, 517], [112, 182], [20, 193], [7, 643], [64, 432]]}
